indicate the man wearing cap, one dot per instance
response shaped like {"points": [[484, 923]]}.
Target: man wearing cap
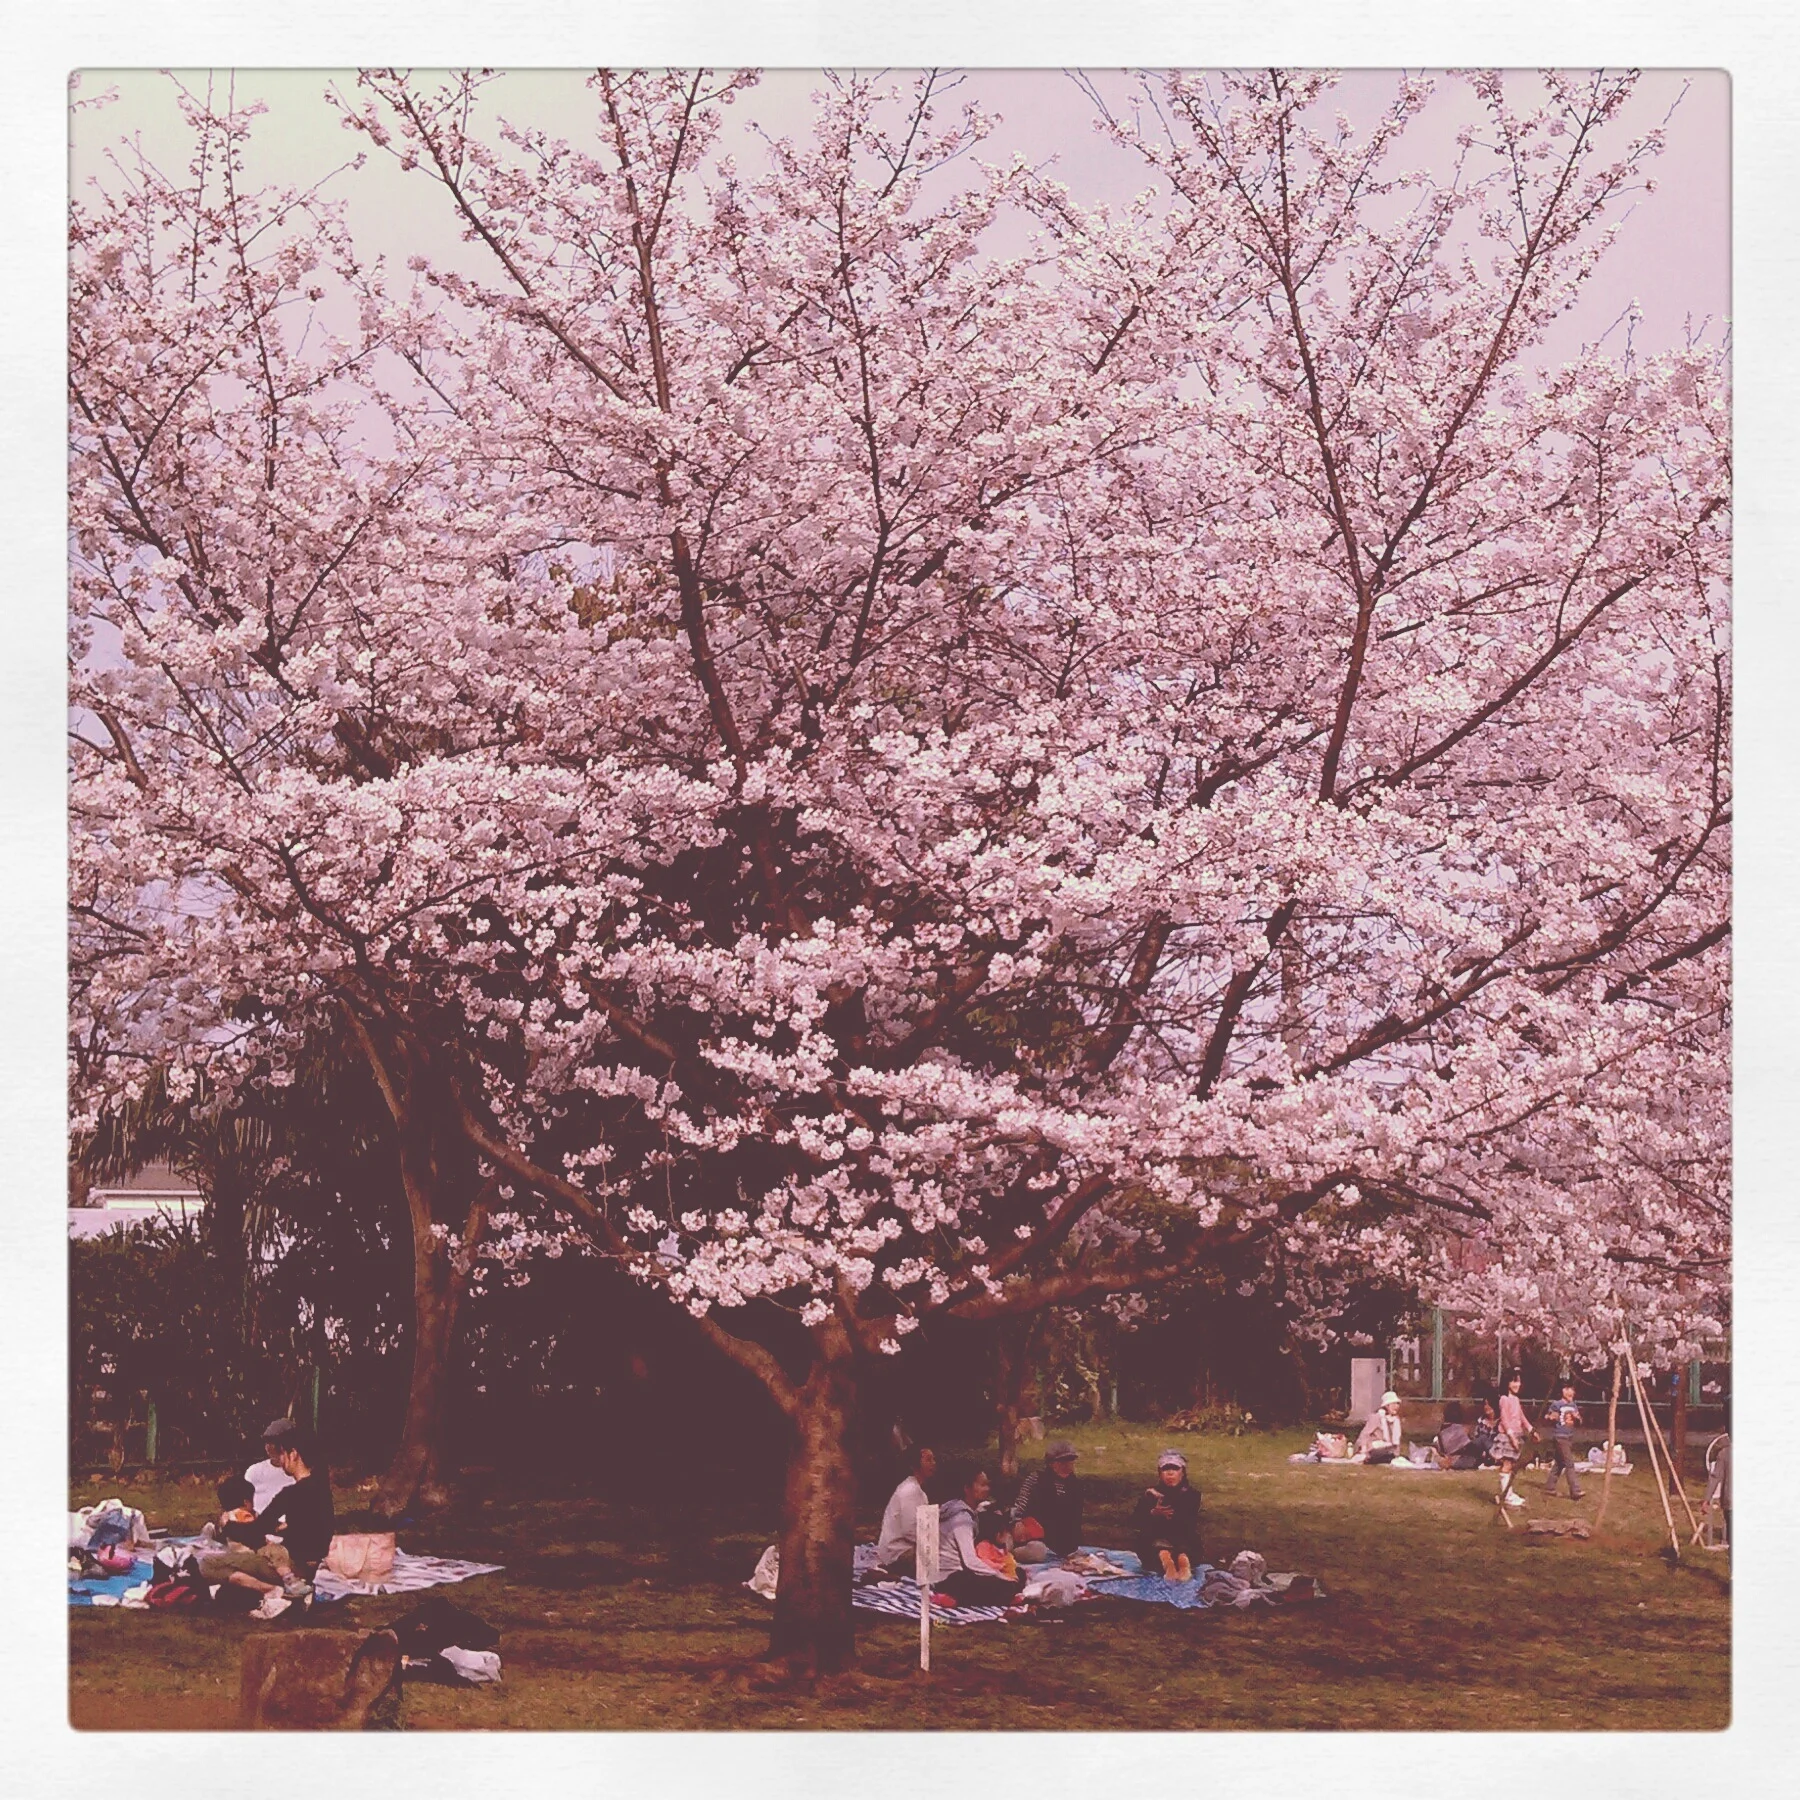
{"points": [[267, 1478], [1379, 1441], [1049, 1500]]}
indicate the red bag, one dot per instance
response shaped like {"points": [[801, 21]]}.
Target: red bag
{"points": [[183, 1592]]}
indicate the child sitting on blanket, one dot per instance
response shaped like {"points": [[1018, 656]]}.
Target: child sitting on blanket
{"points": [[236, 1516], [993, 1539], [1168, 1521]]}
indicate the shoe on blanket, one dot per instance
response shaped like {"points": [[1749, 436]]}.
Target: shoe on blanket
{"points": [[274, 1604]]}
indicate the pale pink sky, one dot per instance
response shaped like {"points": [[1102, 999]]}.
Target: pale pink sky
{"points": [[1672, 259]]}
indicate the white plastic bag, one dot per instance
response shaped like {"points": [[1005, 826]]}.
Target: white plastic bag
{"points": [[767, 1573], [473, 1665], [1053, 1587]]}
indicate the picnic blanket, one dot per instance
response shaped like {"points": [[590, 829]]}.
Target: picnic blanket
{"points": [[897, 1596], [108, 1590], [409, 1574], [1209, 1587], [901, 1598], [1350, 1462]]}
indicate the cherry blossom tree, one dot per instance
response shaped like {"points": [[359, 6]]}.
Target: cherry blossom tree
{"points": [[879, 778]]}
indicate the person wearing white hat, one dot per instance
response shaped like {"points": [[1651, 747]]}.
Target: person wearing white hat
{"points": [[1379, 1441]]}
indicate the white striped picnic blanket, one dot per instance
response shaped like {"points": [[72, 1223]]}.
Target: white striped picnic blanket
{"points": [[408, 1574], [901, 1598]]}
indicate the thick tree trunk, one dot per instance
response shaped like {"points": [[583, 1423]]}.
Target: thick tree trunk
{"points": [[437, 1176], [420, 1464], [813, 1631]]}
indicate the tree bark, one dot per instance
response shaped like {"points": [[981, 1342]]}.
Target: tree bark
{"points": [[813, 1631], [438, 1179], [420, 1465], [1018, 1396]]}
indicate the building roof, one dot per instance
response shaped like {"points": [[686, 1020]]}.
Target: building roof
{"points": [[152, 1192]]}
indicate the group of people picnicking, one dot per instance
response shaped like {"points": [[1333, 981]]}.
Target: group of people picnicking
{"points": [[1495, 1438], [983, 1545], [274, 1524]]}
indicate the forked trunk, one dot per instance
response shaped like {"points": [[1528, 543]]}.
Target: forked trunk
{"points": [[813, 1631], [420, 1464]]}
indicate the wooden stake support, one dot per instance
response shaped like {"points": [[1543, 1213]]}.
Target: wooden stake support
{"points": [[1674, 1473], [1650, 1436], [1612, 1439]]}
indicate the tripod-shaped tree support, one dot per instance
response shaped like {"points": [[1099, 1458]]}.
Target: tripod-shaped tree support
{"points": [[1653, 1442]]}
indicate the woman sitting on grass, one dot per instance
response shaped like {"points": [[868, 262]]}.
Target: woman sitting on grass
{"points": [[1167, 1520], [963, 1573], [1379, 1441]]}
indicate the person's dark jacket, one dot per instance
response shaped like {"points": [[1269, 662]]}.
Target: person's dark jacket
{"points": [[1167, 1516], [302, 1517], [1056, 1505], [1479, 1448]]}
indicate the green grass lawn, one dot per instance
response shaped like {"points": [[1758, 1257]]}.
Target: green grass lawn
{"points": [[631, 1615]]}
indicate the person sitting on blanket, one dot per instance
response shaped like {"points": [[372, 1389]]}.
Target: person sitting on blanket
{"points": [[1379, 1440], [963, 1573], [1167, 1521], [1481, 1435], [1453, 1440], [1046, 1512], [290, 1536], [897, 1548], [993, 1538], [266, 1478], [236, 1521]]}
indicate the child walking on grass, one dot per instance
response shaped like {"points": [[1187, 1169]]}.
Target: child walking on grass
{"points": [[1509, 1440], [1561, 1417]]}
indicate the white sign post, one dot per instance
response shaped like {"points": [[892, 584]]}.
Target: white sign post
{"points": [[926, 1530]]}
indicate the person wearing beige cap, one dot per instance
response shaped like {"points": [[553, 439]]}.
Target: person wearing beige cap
{"points": [[1379, 1441]]}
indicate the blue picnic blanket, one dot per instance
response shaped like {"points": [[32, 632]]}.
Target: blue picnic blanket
{"points": [[110, 1589], [901, 1597], [408, 1574], [1156, 1590]]}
